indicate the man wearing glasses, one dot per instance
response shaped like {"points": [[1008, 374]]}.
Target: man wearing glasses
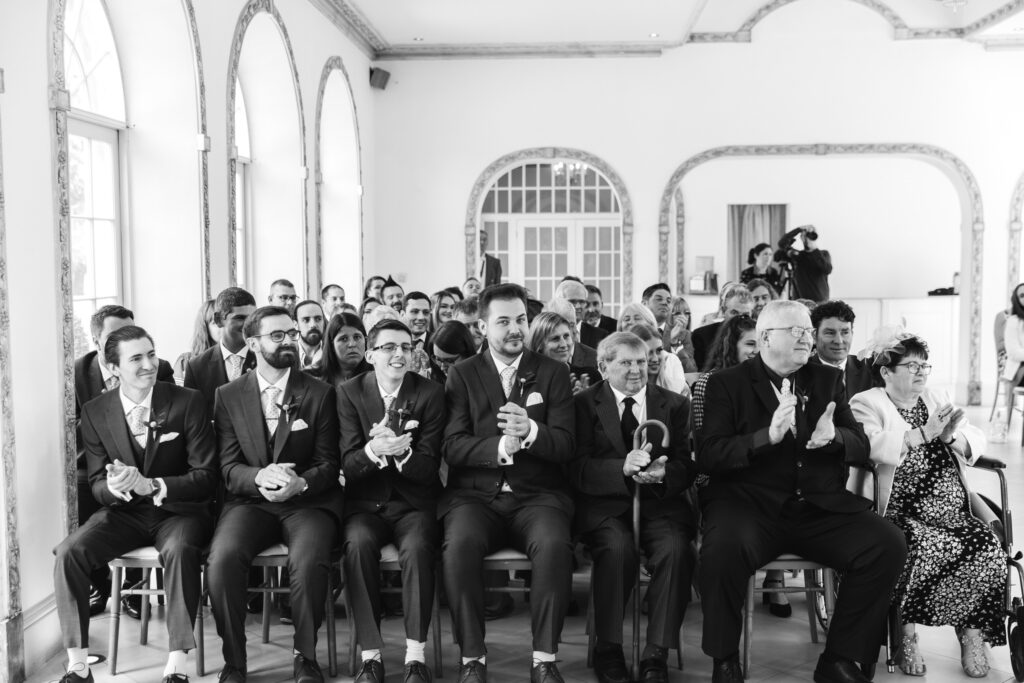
{"points": [[277, 432], [776, 438], [392, 421]]}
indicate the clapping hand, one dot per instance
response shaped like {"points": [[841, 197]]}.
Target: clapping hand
{"points": [[825, 431], [783, 418], [943, 422], [578, 383], [122, 479], [384, 442]]}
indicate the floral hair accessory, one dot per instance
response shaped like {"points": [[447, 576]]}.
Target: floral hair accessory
{"points": [[887, 341]]}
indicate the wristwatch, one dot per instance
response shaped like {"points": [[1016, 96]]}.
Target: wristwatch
{"points": [[154, 489]]}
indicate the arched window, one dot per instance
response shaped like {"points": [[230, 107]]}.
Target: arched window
{"points": [[243, 183], [548, 219], [95, 123]]}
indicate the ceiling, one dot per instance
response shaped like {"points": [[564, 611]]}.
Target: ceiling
{"points": [[415, 29]]}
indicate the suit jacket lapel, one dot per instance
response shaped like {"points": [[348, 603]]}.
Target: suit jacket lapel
{"points": [[118, 426], [373, 404], [656, 411], [252, 415], [95, 378], [763, 385], [293, 395], [490, 380], [527, 368], [158, 409], [608, 414]]}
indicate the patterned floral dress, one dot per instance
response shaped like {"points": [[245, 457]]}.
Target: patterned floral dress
{"points": [[956, 569]]}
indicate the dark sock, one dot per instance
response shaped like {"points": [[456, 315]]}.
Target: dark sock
{"points": [[604, 646], [734, 657], [655, 652]]}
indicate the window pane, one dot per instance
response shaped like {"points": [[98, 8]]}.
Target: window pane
{"points": [[503, 181], [561, 238], [79, 175], [103, 179], [546, 203], [606, 201], [605, 239], [82, 262], [589, 265], [560, 200], [530, 201], [546, 290], [544, 266], [503, 235], [590, 177], [589, 239], [531, 239], [561, 265], [502, 201], [489, 203], [516, 202], [530, 262], [531, 175], [618, 238], [561, 173], [605, 265], [92, 69], [575, 200], [545, 239], [517, 177], [107, 262]]}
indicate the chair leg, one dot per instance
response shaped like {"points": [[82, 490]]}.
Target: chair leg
{"points": [[436, 630], [748, 626], [145, 612], [332, 635], [810, 596], [268, 582], [115, 617], [591, 626], [198, 633], [350, 622]]}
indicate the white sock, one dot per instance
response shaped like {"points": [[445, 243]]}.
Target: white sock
{"points": [[371, 654], [482, 659], [539, 657], [78, 661], [175, 662], [415, 651]]}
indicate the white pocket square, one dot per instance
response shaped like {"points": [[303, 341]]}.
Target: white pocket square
{"points": [[411, 425], [169, 436], [299, 425], [534, 399]]}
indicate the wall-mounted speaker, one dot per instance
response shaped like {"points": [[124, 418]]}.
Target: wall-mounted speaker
{"points": [[379, 78]]}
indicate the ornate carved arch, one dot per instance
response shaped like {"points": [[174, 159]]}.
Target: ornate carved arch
{"points": [[502, 164], [950, 164], [1013, 250]]}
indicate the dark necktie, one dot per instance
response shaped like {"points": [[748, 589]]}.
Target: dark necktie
{"points": [[629, 422]]}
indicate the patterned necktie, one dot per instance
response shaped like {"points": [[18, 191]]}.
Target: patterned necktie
{"points": [[271, 411], [787, 390], [508, 376], [234, 367], [111, 383], [137, 424], [629, 422]]}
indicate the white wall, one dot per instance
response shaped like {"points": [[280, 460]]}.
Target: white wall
{"points": [[816, 71]]}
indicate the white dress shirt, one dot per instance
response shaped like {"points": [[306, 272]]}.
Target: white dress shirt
{"points": [[382, 462], [127, 405], [504, 457]]}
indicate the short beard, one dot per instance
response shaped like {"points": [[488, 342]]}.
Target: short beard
{"points": [[313, 338], [282, 358]]}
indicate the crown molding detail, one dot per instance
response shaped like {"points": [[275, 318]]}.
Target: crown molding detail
{"points": [[1014, 236], [524, 50], [966, 185], [486, 178], [354, 24]]}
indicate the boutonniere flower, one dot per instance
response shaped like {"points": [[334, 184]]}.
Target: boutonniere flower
{"points": [[526, 380], [158, 422], [288, 407], [405, 421]]}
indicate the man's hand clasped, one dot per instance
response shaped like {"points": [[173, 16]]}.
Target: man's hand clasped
{"points": [[278, 482], [641, 469]]}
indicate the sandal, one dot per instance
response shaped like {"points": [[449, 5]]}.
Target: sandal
{"points": [[973, 656], [911, 662]]}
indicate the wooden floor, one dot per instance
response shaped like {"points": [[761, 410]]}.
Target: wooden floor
{"points": [[782, 650]]}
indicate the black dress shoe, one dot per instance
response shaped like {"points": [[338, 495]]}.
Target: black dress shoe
{"points": [[371, 671], [230, 674], [653, 671], [868, 670], [473, 672], [175, 678], [727, 671], [545, 672], [836, 670], [308, 671], [254, 603], [417, 672], [777, 609], [72, 677], [97, 601], [132, 606], [610, 664]]}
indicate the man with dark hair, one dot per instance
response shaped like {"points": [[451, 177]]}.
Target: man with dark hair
{"points": [[575, 293], [277, 432], [658, 298], [282, 293], [416, 316], [94, 377], [467, 312], [605, 474], [230, 359], [776, 440], [595, 311], [392, 294], [833, 334], [332, 298], [509, 435], [489, 267], [310, 319], [737, 302], [152, 467], [392, 421]]}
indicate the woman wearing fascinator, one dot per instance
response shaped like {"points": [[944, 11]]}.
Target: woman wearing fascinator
{"points": [[956, 569]]}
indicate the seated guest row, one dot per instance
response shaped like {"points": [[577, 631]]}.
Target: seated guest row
{"points": [[530, 465]]}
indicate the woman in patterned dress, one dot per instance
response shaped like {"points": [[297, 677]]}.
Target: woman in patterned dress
{"points": [[956, 569]]}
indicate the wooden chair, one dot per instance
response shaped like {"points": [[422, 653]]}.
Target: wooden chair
{"points": [[389, 562], [147, 559]]}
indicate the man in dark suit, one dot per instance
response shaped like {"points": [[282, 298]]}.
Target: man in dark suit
{"points": [[605, 473], [737, 302], [510, 433], [489, 267], [833, 333], [658, 298], [311, 323], [392, 421], [282, 293], [595, 311], [416, 316], [152, 467], [576, 294], [277, 431], [92, 378], [776, 438], [230, 359]]}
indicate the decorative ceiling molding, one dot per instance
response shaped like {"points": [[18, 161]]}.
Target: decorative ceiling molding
{"points": [[524, 50], [743, 33], [354, 24]]}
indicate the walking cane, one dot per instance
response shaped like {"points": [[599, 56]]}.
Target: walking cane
{"points": [[638, 438]]}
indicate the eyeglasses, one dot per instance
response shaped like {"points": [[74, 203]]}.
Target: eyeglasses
{"points": [[915, 368], [390, 348], [796, 331], [277, 336]]}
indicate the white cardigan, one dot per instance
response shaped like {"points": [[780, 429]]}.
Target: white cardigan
{"points": [[1013, 339], [886, 429]]}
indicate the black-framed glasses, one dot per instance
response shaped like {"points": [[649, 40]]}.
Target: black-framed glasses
{"points": [[390, 348], [915, 368], [277, 336], [796, 332]]}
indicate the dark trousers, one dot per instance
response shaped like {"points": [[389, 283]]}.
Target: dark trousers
{"points": [[242, 533], [474, 530], [666, 543], [415, 534], [740, 538], [111, 532]]}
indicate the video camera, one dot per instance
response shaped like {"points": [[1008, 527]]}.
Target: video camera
{"points": [[785, 253]]}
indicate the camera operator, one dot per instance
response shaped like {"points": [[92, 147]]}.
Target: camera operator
{"points": [[810, 265]]}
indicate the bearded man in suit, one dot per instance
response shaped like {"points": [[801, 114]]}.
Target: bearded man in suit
{"points": [[151, 460], [277, 431]]}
